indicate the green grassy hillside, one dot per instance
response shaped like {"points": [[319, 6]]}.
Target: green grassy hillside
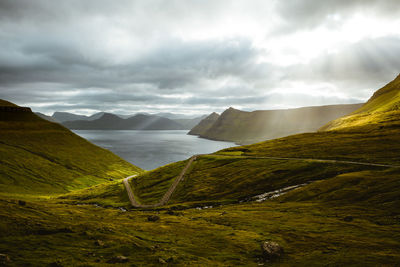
{"points": [[37, 156], [235, 173], [381, 110], [379, 189], [250, 127], [248, 175], [5, 103]]}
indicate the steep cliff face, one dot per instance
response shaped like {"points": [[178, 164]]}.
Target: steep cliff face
{"points": [[250, 127], [204, 124]]}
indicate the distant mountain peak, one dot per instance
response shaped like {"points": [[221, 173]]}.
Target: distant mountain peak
{"points": [[230, 111], [204, 124], [213, 115], [109, 121], [108, 115]]}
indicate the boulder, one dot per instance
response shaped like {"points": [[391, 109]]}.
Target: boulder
{"points": [[271, 250]]}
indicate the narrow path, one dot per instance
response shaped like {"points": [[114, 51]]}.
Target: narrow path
{"points": [[164, 200], [129, 190], [172, 188], [316, 160]]}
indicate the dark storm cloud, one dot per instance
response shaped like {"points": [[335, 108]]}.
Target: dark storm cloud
{"points": [[173, 64], [180, 55]]}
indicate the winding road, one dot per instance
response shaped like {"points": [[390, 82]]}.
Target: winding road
{"points": [[164, 200]]}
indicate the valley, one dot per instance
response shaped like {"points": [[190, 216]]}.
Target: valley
{"points": [[70, 198], [199, 133]]}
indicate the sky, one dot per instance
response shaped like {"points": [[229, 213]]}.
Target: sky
{"points": [[195, 56]]}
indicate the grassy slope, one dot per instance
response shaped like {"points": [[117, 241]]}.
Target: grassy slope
{"points": [[209, 176], [377, 142], [375, 189], [5, 103], [382, 108], [37, 156]]}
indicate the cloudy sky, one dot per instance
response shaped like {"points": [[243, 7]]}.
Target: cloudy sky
{"points": [[195, 56]]}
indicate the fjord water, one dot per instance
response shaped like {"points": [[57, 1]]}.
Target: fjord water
{"points": [[151, 149]]}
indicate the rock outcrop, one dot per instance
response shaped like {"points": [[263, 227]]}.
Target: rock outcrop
{"points": [[271, 250]]}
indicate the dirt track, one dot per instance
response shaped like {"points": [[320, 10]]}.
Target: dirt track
{"points": [[164, 200]]}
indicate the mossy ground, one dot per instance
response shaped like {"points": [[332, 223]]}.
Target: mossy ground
{"points": [[109, 194], [308, 222], [312, 232]]}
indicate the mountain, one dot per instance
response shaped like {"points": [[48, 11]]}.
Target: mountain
{"points": [[40, 156], [186, 122], [45, 117], [250, 127], [113, 122], [173, 116], [66, 116], [382, 109], [204, 125], [96, 116], [190, 123]]}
